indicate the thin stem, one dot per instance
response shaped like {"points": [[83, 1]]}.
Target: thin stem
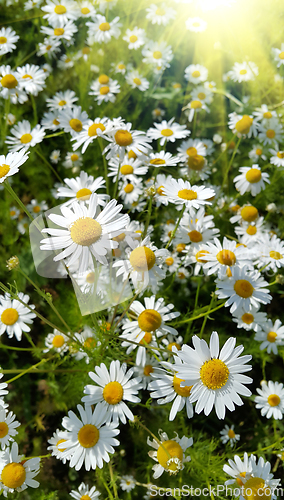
{"points": [[175, 229], [27, 370], [12, 348], [200, 315], [34, 109], [125, 311], [137, 421], [112, 480], [54, 135], [49, 165], [206, 317], [225, 150], [6, 112], [105, 164], [148, 216], [230, 162], [17, 199]]}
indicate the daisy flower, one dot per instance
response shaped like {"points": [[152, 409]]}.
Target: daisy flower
{"points": [[119, 67], [243, 72], [239, 470], [59, 11], [36, 208], [130, 192], [64, 32], [161, 14], [8, 426], [65, 62], [57, 341], [190, 149], [55, 156], [84, 491], [250, 320], [227, 254], [277, 157], [261, 482], [270, 335], [158, 54], [162, 159], [198, 230], [89, 440], [217, 377], [195, 106], [23, 136], [135, 80], [73, 120], [86, 231], [14, 316], [244, 288], [143, 264], [270, 400], [88, 341], [148, 322], [243, 125], [251, 180], [228, 434], [91, 131], [195, 73], [62, 100], [105, 92], [246, 213], [123, 139], [169, 453], [195, 24], [264, 114], [3, 391], [127, 483], [251, 233], [135, 38], [270, 252], [9, 165], [167, 387], [127, 168], [102, 31], [112, 389], [10, 87], [106, 4], [271, 132], [17, 473], [57, 445], [168, 131], [50, 120], [49, 46], [86, 9], [257, 153], [182, 194], [278, 55], [8, 38], [14, 212], [158, 114], [81, 189], [73, 160]]}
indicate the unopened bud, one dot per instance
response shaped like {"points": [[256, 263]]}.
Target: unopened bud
{"points": [[13, 263]]}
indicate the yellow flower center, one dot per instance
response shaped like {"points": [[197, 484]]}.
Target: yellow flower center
{"points": [[76, 124], [244, 124], [9, 81], [90, 343], [243, 288], [147, 338], [271, 336], [86, 50], [129, 188], [58, 31], [180, 247], [74, 157], [258, 152], [231, 434], [123, 137], [160, 12], [36, 209], [247, 318], [104, 90], [3, 39], [249, 213], [60, 442], [90, 278], [149, 320], [280, 155], [92, 130], [85, 497], [196, 162], [4, 429], [253, 175], [48, 47], [9, 316], [200, 256], [133, 38], [166, 132], [170, 449], [104, 27], [275, 255], [281, 55], [27, 76], [226, 257], [273, 400], [88, 436], [121, 66], [85, 10], [243, 72], [26, 138], [169, 261], [182, 391], [214, 374], [85, 231], [83, 194], [201, 96], [195, 236], [137, 81], [142, 259], [173, 344], [270, 134], [119, 237], [251, 230], [113, 393], [195, 104], [160, 190], [4, 170], [103, 79], [191, 151], [55, 122], [58, 341], [126, 170], [13, 475], [12, 212], [157, 54], [60, 9], [195, 74], [177, 86], [255, 489], [62, 103], [267, 114], [147, 370], [187, 194]]}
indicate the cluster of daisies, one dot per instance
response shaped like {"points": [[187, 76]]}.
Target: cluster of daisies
{"points": [[100, 238]]}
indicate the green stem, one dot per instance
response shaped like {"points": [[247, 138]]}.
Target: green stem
{"points": [[112, 480], [54, 135], [6, 112], [148, 216], [49, 165], [34, 109], [17, 199], [200, 315], [105, 165], [206, 317], [26, 371], [230, 162], [223, 152], [3, 346], [175, 229]]}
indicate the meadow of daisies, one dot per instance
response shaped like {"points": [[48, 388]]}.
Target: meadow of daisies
{"points": [[142, 253]]}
